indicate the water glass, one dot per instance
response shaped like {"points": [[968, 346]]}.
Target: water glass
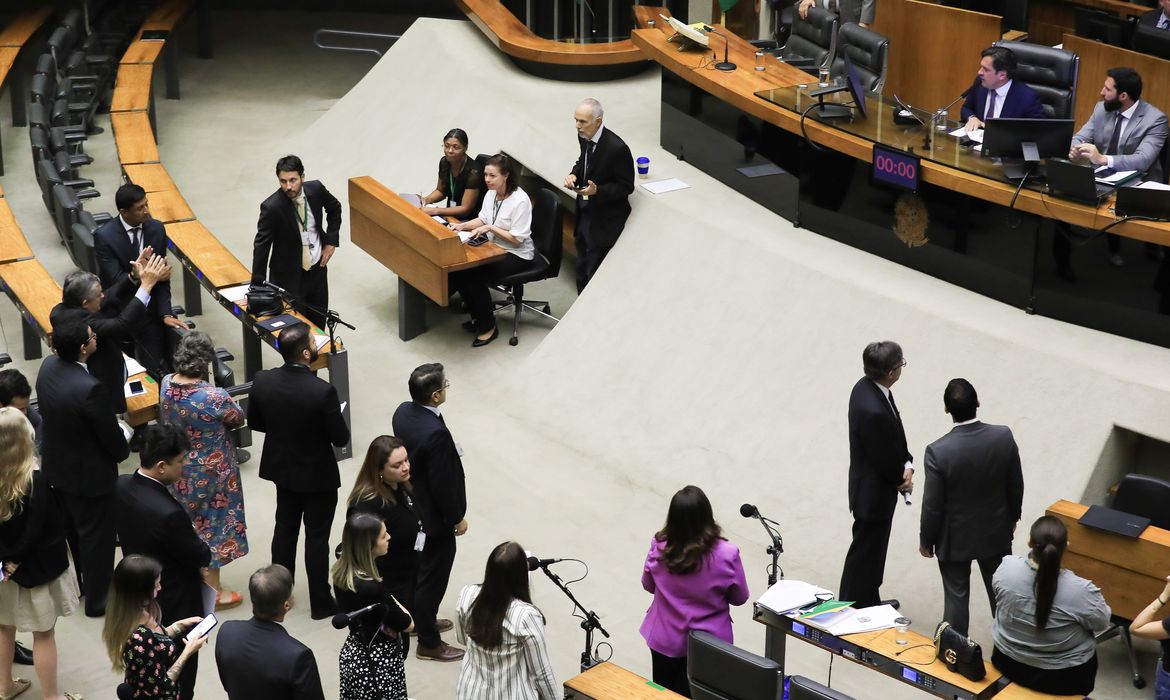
{"points": [[760, 60], [940, 120], [823, 76], [901, 625]]}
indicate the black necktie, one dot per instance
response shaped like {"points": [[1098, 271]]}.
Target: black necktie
{"points": [[894, 406], [1115, 142], [134, 237]]}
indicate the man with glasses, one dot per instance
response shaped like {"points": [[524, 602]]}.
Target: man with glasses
{"points": [[879, 469], [437, 477], [83, 445]]}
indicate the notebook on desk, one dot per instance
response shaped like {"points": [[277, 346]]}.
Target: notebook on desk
{"points": [[1075, 182], [1115, 521]]}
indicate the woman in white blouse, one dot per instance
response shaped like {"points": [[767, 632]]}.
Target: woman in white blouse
{"points": [[505, 219], [507, 658]]}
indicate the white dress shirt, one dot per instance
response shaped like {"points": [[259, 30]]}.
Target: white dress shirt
{"points": [[514, 215], [1000, 95]]}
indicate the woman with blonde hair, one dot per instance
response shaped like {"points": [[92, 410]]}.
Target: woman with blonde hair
{"points": [[371, 660], [39, 584], [135, 639]]}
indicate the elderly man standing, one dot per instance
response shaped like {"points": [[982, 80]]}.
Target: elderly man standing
{"points": [[603, 179]]}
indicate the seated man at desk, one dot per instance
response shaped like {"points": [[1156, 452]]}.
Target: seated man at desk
{"points": [[1158, 18], [996, 94], [1123, 133]]}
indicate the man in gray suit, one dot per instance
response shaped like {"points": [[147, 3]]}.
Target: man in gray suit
{"points": [[972, 500], [858, 11], [1123, 133]]}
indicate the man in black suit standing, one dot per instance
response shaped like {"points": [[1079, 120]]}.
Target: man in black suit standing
{"points": [[133, 236], [879, 469], [83, 445], [257, 658], [603, 179], [114, 318], [300, 225], [153, 523], [437, 477], [1159, 18], [300, 416], [971, 501]]}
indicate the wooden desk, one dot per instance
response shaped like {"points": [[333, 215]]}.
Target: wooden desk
{"points": [[212, 260], [1019, 692], [1129, 572], [152, 177], [23, 26], [168, 206], [133, 87], [134, 138], [141, 51], [143, 408], [608, 681], [413, 246], [35, 293], [8, 56], [13, 245]]}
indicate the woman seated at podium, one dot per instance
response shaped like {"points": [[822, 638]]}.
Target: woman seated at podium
{"points": [[504, 632], [1147, 625], [695, 576], [505, 219], [1046, 617], [460, 180]]}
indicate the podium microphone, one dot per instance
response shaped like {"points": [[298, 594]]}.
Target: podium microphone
{"points": [[534, 563], [342, 620], [725, 64], [747, 510]]}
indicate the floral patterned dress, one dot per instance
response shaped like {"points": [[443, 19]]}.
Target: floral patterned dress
{"points": [[148, 656], [210, 488]]}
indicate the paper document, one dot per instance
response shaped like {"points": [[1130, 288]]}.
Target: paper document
{"points": [[1151, 185], [854, 620], [322, 340], [975, 135], [827, 607], [412, 199], [132, 366], [664, 186], [1109, 177], [464, 236], [440, 219], [789, 594], [234, 294]]}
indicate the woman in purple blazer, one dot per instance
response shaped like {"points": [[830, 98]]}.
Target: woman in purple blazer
{"points": [[695, 576]]}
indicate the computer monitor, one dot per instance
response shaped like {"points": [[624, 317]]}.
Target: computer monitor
{"points": [[801, 688], [1030, 139], [834, 110], [1152, 41]]}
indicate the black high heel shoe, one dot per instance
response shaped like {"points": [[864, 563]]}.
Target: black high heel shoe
{"points": [[477, 343]]}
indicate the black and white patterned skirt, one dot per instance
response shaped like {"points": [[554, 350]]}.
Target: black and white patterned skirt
{"points": [[372, 671]]}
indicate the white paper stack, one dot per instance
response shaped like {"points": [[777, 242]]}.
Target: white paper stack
{"points": [[855, 620], [788, 595]]}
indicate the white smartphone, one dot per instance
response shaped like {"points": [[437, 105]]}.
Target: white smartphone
{"points": [[201, 629]]}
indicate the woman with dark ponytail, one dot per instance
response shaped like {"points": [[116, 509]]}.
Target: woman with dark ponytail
{"points": [[1046, 617]]}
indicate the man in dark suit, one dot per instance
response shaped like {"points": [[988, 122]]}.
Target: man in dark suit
{"points": [[151, 522], [1159, 18], [117, 244], [114, 318], [1124, 132], [971, 502], [437, 476], [996, 94], [879, 469], [603, 179], [16, 392], [300, 225], [300, 416], [83, 445], [257, 658]]}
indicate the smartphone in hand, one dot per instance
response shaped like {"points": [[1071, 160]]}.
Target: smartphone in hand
{"points": [[201, 629]]}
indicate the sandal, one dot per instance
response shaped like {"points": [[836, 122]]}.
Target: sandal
{"points": [[19, 685], [232, 600]]}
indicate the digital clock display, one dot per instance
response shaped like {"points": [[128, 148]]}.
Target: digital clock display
{"points": [[798, 628], [895, 168], [910, 675]]}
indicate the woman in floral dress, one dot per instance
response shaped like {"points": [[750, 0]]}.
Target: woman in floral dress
{"points": [[210, 488]]}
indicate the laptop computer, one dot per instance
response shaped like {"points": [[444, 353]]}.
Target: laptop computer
{"points": [[1075, 182], [1115, 521], [1140, 201]]}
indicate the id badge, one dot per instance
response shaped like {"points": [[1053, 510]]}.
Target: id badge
{"points": [[420, 541]]}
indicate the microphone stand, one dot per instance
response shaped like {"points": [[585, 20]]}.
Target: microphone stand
{"points": [[929, 137], [724, 65], [775, 549], [589, 624]]}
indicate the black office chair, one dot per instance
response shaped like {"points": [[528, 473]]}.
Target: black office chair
{"points": [[1052, 73], [1148, 497], [547, 237], [869, 52], [801, 688], [81, 248], [813, 38], [1102, 26], [721, 671]]}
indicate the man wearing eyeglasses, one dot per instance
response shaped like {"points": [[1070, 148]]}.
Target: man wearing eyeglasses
{"points": [[880, 467]]}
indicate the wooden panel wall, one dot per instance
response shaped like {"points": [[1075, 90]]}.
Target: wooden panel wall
{"points": [[934, 50], [1096, 58]]}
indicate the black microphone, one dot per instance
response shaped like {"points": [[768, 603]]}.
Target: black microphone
{"points": [[747, 510], [342, 620], [725, 64], [534, 563], [270, 285]]}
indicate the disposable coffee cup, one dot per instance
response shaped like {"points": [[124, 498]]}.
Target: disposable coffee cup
{"points": [[643, 167]]}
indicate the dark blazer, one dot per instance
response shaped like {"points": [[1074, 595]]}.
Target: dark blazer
{"points": [[277, 232], [1150, 19], [300, 416], [1021, 102], [973, 494], [611, 167], [152, 522], [436, 469], [35, 537], [259, 659], [877, 453], [82, 443], [114, 253], [120, 317]]}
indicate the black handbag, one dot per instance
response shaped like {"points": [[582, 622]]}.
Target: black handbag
{"points": [[958, 652], [264, 300]]}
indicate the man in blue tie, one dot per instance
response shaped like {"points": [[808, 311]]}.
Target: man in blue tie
{"points": [[1159, 18], [996, 93]]}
